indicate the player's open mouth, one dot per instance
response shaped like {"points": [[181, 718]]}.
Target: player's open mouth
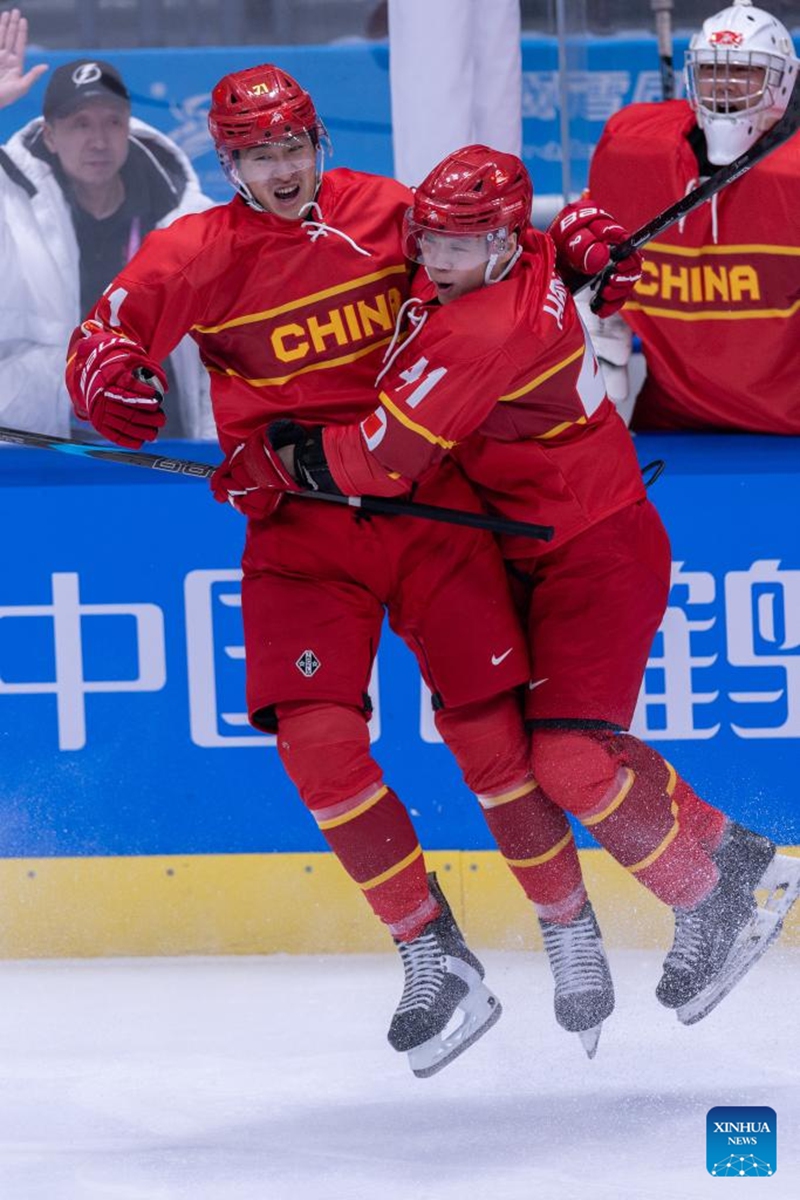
{"points": [[285, 194]]}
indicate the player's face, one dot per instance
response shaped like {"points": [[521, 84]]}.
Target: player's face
{"points": [[457, 265], [729, 87], [91, 143], [282, 177]]}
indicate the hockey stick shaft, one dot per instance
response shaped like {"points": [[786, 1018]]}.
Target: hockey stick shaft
{"points": [[785, 128], [368, 504], [662, 11]]}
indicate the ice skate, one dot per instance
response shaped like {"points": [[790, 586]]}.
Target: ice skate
{"points": [[717, 942], [781, 882], [442, 977], [584, 992]]}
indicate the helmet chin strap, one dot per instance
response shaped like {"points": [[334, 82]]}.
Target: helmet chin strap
{"points": [[492, 263], [249, 198], [306, 208]]}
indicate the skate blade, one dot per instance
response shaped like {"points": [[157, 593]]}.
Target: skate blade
{"points": [[590, 1038], [481, 1010], [753, 941], [782, 880]]}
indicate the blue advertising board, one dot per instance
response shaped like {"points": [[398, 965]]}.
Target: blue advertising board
{"points": [[350, 85], [122, 723]]}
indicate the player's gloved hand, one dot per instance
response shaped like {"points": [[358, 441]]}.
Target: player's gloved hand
{"points": [[253, 478], [116, 386], [583, 235], [301, 449]]}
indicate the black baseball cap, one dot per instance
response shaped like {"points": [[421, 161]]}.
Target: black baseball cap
{"points": [[73, 84]]}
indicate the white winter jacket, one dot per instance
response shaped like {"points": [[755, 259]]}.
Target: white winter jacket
{"points": [[40, 284]]}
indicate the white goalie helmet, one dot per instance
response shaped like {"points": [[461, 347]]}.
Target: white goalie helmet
{"points": [[740, 70]]}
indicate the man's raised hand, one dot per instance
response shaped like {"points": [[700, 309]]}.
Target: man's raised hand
{"points": [[14, 80]]}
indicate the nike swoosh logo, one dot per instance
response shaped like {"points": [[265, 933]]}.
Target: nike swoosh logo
{"points": [[536, 683], [498, 658]]}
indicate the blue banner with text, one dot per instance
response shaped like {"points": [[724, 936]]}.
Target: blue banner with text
{"points": [[122, 722]]}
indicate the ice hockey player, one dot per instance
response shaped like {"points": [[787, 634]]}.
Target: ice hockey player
{"points": [[291, 291], [723, 281], [497, 371]]}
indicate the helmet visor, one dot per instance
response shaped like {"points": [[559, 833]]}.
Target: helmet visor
{"points": [[271, 160], [446, 251], [266, 162]]}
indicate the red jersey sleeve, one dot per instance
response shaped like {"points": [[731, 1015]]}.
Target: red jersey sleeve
{"points": [[445, 383], [152, 301]]}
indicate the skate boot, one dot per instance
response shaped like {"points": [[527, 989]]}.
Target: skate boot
{"points": [[719, 940], [441, 976], [584, 994]]}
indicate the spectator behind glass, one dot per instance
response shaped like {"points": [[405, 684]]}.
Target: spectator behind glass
{"points": [[80, 188]]}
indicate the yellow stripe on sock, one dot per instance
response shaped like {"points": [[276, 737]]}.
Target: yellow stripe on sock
{"points": [[392, 871], [525, 789], [351, 815], [659, 850], [542, 858], [673, 778], [615, 803], [673, 833]]}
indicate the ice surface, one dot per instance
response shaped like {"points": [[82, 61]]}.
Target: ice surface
{"points": [[271, 1079]]}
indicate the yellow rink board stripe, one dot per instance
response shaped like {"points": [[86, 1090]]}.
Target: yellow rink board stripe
{"points": [[282, 903]]}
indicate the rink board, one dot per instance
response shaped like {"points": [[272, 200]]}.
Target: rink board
{"points": [[140, 813], [284, 903]]}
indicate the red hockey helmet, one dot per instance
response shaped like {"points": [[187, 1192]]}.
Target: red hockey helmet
{"points": [[260, 104], [475, 192], [264, 106]]}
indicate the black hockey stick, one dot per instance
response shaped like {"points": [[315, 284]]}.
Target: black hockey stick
{"points": [[199, 470], [785, 128], [662, 11]]}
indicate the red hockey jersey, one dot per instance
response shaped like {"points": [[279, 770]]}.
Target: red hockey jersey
{"points": [[718, 304], [272, 316], [504, 379]]}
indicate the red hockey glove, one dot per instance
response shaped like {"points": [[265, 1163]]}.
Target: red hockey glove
{"points": [[583, 235], [118, 388], [253, 478]]}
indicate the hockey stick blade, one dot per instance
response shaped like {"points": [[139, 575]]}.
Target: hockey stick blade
{"points": [[369, 504], [785, 128]]}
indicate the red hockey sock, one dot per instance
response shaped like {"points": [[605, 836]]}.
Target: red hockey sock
{"points": [[633, 802], [325, 751], [491, 745]]}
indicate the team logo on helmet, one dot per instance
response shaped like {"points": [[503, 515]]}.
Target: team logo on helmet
{"points": [[86, 73], [726, 37]]}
